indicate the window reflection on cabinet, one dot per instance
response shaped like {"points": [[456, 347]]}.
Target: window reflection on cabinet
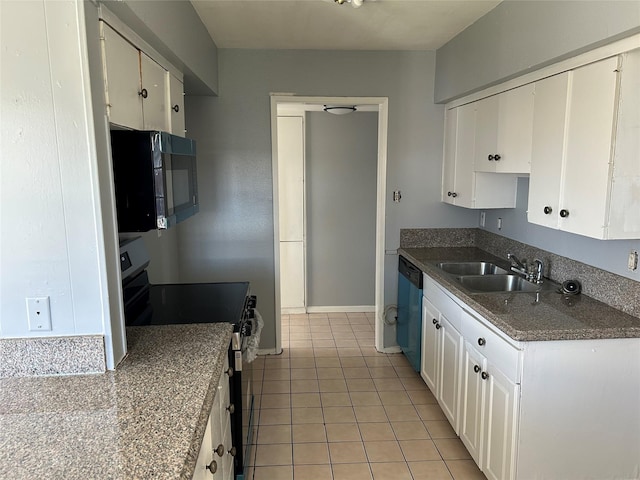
{"points": [[585, 167]]}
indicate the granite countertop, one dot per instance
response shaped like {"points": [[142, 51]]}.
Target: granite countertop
{"points": [[146, 419], [519, 315]]}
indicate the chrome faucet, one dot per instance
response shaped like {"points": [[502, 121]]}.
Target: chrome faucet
{"points": [[518, 266], [538, 271], [532, 273]]}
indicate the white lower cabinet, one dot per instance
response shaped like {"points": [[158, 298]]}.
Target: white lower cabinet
{"points": [[215, 460], [524, 410], [441, 354], [489, 409]]}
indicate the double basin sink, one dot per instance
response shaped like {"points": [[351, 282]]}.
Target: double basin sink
{"points": [[486, 277]]}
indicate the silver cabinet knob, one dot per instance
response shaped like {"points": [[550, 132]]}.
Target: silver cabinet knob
{"points": [[212, 467], [484, 375], [482, 341], [229, 372], [231, 408], [232, 451]]}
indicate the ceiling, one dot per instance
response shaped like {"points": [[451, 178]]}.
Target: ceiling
{"points": [[325, 25]]}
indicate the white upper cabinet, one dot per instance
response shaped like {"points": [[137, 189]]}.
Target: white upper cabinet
{"points": [[461, 185], [504, 126], [153, 80], [550, 111], [121, 62], [176, 106], [585, 172], [140, 93]]}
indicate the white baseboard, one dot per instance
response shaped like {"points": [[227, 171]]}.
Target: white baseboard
{"points": [[293, 310], [345, 309]]}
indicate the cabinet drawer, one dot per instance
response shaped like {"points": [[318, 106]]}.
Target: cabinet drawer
{"points": [[442, 302], [498, 352]]}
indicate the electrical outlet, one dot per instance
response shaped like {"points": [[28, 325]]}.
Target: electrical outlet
{"points": [[483, 219], [632, 262], [39, 314], [499, 223]]}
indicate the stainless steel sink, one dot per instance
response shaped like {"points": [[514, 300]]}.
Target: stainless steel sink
{"points": [[497, 283], [471, 268]]}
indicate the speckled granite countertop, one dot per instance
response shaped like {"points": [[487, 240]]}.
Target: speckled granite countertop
{"points": [[144, 420], [553, 317]]}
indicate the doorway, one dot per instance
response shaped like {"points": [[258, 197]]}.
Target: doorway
{"points": [[292, 109]]}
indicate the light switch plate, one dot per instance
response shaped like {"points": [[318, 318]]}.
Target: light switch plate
{"points": [[39, 314]]}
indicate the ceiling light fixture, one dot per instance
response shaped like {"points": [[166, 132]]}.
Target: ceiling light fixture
{"points": [[339, 109], [354, 3]]}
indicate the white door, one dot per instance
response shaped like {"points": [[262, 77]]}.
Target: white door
{"points": [[154, 105], [500, 413], [473, 364], [176, 106], [486, 134], [547, 151], [122, 79], [205, 457], [449, 162], [515, 127], [450, 355], [291, 212], [430, 345], [592, 97], [465, 177]]}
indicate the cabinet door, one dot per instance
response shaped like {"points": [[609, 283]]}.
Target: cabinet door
{"points": [[205, 457], [450, 358], [449, 156], [430, 345], [547, 151], [592, 95], [486, 133], [291, 178], [624, 209], [176, 106], [515, 130], [292, 278], [500, 413], [121, 64], [473, 364], [154, 106], [465, 146]]}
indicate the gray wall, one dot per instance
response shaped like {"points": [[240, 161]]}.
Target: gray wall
{"points": [[232, 236], [340, 180], [175, 30], [521, 36], [610, 255]]}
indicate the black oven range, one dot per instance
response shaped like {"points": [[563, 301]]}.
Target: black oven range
{"points": [[230, 302]]}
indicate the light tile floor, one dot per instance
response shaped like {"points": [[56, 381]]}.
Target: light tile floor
{"points": [[330, 407]]}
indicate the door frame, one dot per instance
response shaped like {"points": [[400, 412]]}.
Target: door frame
{"points": [[373, 104]]}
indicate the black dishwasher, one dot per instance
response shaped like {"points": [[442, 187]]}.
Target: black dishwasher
{"points": [[409, 325]]}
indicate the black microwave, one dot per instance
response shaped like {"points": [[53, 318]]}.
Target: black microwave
{"points": [[155, 179]]}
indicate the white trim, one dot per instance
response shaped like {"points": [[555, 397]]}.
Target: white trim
{"points": [[343, 309], [276, 222], [381, 105], [615, 48]]}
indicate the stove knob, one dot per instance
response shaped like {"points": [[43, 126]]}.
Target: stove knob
{"points": [[252, 301]]}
